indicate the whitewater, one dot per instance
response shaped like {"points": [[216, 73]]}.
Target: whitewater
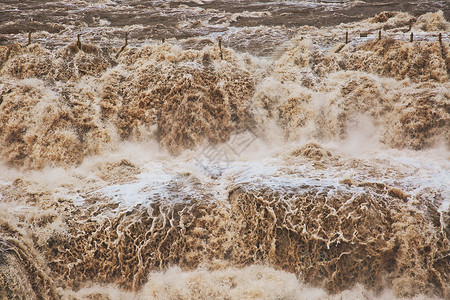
{"points": [[214, 150]]}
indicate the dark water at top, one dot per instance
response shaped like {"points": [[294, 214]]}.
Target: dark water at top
{"points": [[270, 21]]}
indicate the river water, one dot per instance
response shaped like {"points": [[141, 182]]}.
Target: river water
{"points": [[227, 150]]}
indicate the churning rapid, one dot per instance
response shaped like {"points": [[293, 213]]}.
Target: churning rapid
{"points": [[308, 167]]}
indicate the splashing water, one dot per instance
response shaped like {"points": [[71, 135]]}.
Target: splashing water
{"points": [[181, 170]]}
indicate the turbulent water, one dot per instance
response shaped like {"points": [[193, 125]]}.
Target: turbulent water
{"points": [[227, 150]]}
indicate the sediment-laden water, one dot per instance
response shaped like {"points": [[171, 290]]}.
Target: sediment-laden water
{"points": [[283, 163]]}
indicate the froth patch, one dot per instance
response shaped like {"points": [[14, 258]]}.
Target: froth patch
{"points": [[85, 98], [118, 172], [259, 281], [334, 237], [253, 282], [68, 63], [41, 127], [376, 229], [181, 98], [432, 22], [342, 229], [312, 151], [419, 61], [22, 273], [355, 107]]}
